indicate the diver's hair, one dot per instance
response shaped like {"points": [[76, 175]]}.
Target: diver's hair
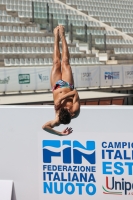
{"points": [[64, 116]]}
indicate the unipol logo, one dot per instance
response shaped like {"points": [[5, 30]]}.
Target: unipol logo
{"points": [[68, 151]]}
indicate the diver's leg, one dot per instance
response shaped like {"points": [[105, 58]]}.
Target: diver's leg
{"points": [[56, 69]]}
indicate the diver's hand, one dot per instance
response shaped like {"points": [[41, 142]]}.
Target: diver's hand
{"points": [[67, 131]]}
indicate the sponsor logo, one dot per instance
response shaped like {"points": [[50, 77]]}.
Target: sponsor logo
{"points": [[115, 187], [24, 78], [69, 167], [43, 78], [117, 163], [86, 76], [111, 75], [129, 74], [5, 80]]}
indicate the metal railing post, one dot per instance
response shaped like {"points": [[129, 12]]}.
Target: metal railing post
{"points": [[32, 12], [86, 39], [90, 42], [47, 13], [71, 33], [105, 43], [67, 23], [52, 24]]}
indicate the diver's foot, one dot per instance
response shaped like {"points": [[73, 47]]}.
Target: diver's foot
{"points": [[61, 31], [56, 32]]}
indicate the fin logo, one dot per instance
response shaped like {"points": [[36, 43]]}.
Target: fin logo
{"points": [[69, 151], [111, 75]]}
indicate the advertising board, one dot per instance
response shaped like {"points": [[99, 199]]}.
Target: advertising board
{"points": [[3, 80], [87, 76], [12, 85], [42, 78], [111, 76], [128, 75], [38, 78], [26, 79], [94, 162]]}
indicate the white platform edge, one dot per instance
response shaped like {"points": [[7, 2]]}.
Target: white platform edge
{"points": [[6, 187]]}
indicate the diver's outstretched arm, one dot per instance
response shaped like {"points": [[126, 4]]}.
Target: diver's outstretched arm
{"points": [[51, 124]]}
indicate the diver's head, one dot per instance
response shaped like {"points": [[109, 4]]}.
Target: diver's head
{"points": [[64, 116]]}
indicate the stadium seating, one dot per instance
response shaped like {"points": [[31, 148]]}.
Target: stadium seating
{"points": [[28, 62], [25, 39], [19, 29], [21, 41], [123, 50], [113, 41], [34, 50], [117, 13], [99, 35], [48, 61]]}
